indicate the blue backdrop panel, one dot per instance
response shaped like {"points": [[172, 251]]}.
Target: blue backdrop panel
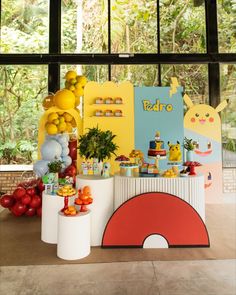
{"points": [[156, 111]]}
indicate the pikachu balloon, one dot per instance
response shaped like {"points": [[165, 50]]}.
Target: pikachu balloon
{"points": [[202, 123]]}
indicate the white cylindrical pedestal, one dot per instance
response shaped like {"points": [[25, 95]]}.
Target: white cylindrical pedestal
{"points": [[73, 236], [102, 206], [50, 207]]}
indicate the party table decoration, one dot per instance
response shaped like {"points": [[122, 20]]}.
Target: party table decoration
{"points": [[66, 191], [84, 198], [192, 165]]}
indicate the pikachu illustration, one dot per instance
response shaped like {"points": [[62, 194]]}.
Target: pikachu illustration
{"points": [[202, 124]]}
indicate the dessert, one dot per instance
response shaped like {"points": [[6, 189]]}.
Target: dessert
{"points": [[98, 100], [98, 113], [108, 113], [118, 100], [118, 113], [156, 147], [108, 100]]}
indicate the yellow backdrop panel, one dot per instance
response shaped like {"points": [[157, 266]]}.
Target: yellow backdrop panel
{"points": [[122, 127]]}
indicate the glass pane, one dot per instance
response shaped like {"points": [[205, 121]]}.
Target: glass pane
{"points": [[22, 89], [133, 26], [194, 79], [84, 26], [97, 73], [139, 75], [228, 115], [182, 26], [24, 26], [227, 26]]}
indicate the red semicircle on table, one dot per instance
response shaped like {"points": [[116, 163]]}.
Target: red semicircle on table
{"points": [[155, 213]]}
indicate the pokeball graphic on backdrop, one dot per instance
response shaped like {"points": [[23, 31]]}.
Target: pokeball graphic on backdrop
{"points": [[155, 214]]}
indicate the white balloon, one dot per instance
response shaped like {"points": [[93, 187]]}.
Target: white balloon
{"points": [[51, 150], [65, 151], [40, 167], [67, 160]]}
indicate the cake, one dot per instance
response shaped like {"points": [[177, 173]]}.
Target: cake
{"points": [[156, 147]]}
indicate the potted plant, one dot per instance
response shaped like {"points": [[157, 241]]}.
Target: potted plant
{"points": [[54, 168], [97, 144], [189, 145]]}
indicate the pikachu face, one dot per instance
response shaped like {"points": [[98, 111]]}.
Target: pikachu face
{"points": [[174, 152], [204, 119]]}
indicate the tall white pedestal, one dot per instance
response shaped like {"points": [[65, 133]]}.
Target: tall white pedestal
{"points": [[73, 236], [102, 206], [50, 207]]}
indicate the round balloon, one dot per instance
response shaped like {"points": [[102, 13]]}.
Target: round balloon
{"points": [[67, 160], [65, 151], [63, 140], [40, 168], [50, 150]]}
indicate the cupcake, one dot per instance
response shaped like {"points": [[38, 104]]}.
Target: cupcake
{"points": [[118, 100], [98, 100], [108, 113], [108, 100], [98, 113], [118, 113]]}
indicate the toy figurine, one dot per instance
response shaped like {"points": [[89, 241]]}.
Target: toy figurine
{"points": [[106, 169], [90, 168], [174, 152], [96, 167], [84, 168]]}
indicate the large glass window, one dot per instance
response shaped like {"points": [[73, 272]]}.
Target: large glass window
{"points": [[24, 26], [182, 26], [227, 25], [22, 89], [91, 36], [84, 26], [228, 115], [194, 79], [98, 73], [139, 75], [133, 26]]}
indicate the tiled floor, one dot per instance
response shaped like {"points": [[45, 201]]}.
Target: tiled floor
{"points": [[208, 277], [215, 277]]}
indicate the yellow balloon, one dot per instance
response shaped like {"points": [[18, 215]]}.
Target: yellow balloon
{"points": [[64, 99], [51, 129], [52, 117], [70, 75]]}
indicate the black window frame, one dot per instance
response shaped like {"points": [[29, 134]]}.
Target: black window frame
{"points": [[54, 58]]}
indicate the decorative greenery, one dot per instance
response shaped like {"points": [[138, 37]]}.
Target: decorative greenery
{"points": [[24, 29], [55, 166], [97, 144], [189, 144]]}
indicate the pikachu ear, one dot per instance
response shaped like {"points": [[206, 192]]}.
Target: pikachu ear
{"points": [[188, 101], [221, 106]]}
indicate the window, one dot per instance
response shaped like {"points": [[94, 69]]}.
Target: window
{"points": [[145, 41], [228, 116], [227, 26], [24, 26], [22, 89]]}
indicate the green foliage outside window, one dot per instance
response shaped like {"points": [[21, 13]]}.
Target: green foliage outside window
{"points": [[24, 29]]}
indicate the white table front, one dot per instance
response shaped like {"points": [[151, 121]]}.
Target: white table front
{"points": [[190, 189]]}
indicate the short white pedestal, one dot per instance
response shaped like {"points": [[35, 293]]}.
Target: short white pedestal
{"points": [[102, 206], [50, 207], [73, 236]]}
